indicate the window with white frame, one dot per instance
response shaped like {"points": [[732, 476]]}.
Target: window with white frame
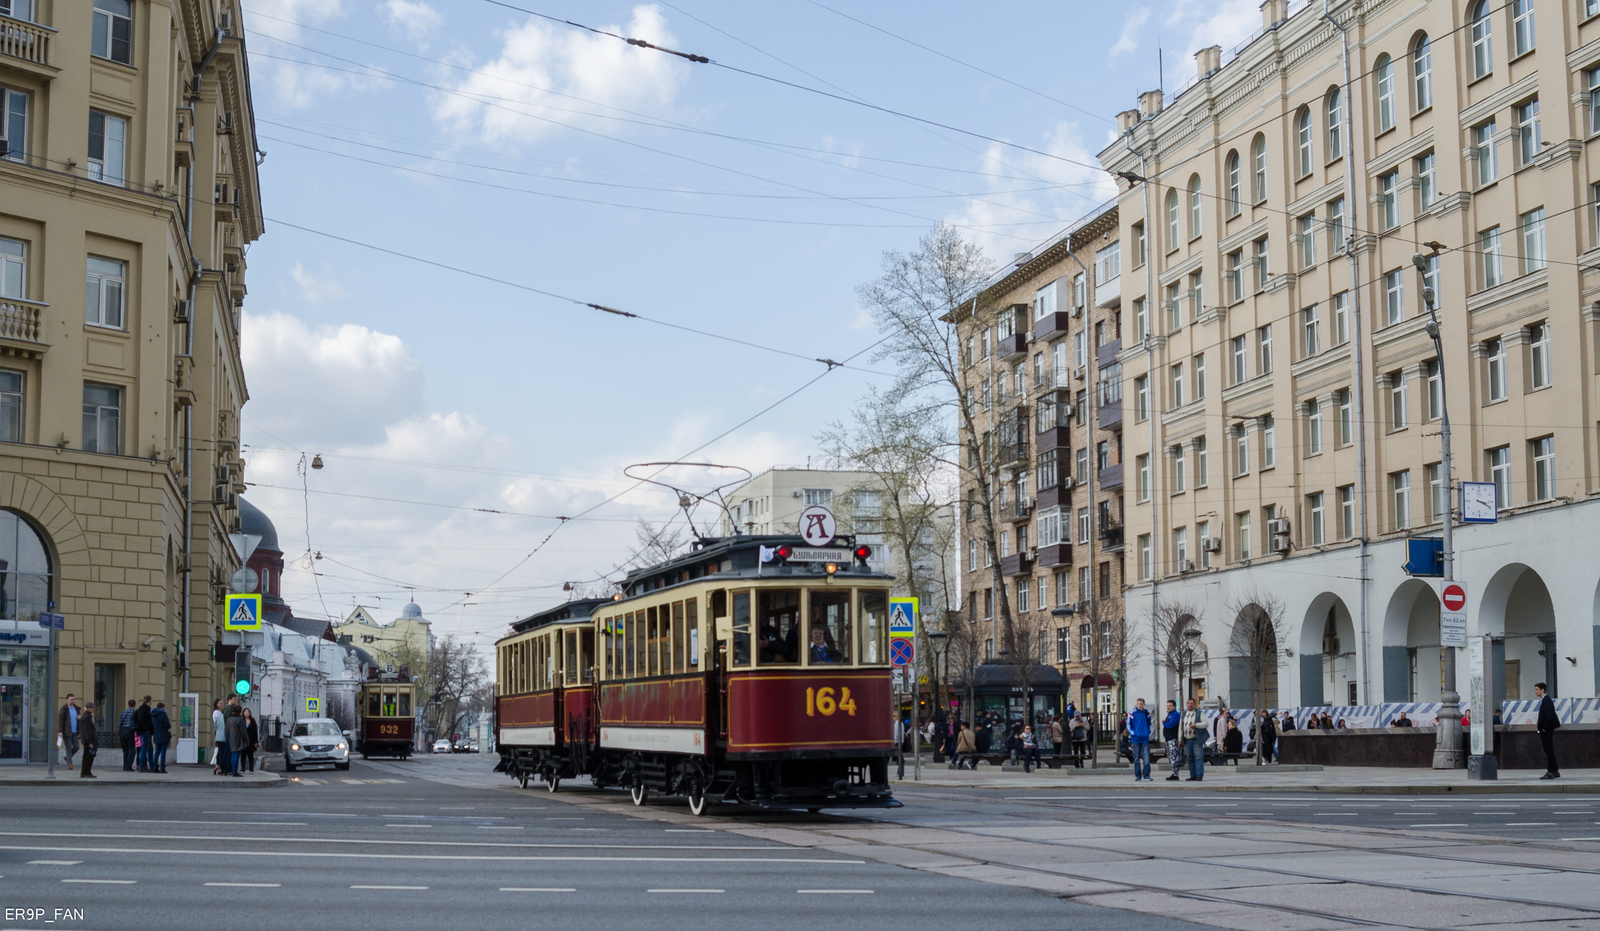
{"points": [[1044, 301], [1316, 509], [102, 419], [1400, 488], [1202, 531], [818, 496], [1487, 155], [13, 124], [1080, 293], [1388, 192], [1173, 235], [1434, 377], [1430, 277], [1083, 525], [1526, 115], [1051, 527], [10, 406], [1180, 469], [1438, 498], [1482, 35], [112, 34], [1264, 349], [1305, 145], [1197, 295], [1174, 307], [1202, 463], [1494, 357], [1108, 263], [1489, 248], [1142, 470], [1200, 376], [1421, 74], [1235, 271], [1269, 442], [105, 285], [1341, 318], [1347, 512], [1539, 373], [1313, 427], [1176, 372], [1241, 449], [1544, 468], [1233, 184], [1427, 182], [13, 269], [1397, 400], [1141, 399], [1241, 523], [1336, 226], [108, 144], [1241, 360], [1080, 343], [1263, 265], [1522, 36], [1141, 249], [1308, 240], [1063, 644], [1533, 248], [1141, 321], [1500, 475], [1334, 110], [1385, 76], [1346, 417], [1180, 547], [1258, 158], [1194, 207], [1310, 331]]}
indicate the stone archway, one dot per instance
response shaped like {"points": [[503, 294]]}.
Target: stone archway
{"points": [[1411, 643], [1255, 655], [1517, 605], [1328, 653]]}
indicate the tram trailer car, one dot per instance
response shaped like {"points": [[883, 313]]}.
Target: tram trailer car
{"points": [[739, 672], [387, 725]]}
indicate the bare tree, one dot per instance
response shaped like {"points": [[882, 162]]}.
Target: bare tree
{"points": [[654, 544], [919, 302], [964, 653], [1258, 639], [456, 677], [1108, 637], [1174, 649]]}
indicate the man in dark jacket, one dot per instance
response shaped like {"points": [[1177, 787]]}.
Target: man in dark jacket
{"points": [[1169, 733], [237, 738], [68, 721], [125, 735], [145, 731], [1547, 724], [90, 744], [163, 736]]}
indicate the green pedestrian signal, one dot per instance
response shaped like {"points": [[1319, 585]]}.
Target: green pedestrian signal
{"points": [[242, 687]]}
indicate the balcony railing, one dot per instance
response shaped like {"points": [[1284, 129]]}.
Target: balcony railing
{"points": [[1111, 476], [1058, 554], [1014, 510], [27, 41], [1015, 564], [1011, 346], [22, 321], [1111, 538], [1109, 417], [1108, 352]]}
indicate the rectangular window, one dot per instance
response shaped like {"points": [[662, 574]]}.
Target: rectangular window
{"points": [[1397, 400], [1263, 265], [1235, 275], [1141, 320], [1241, 360], [1341, 318], [1180, 547], [1346, 417], [1394, 295], [1063, 644], [1202, 533], [1108, 263], [108, 143], [1347, 512], [1437, 495], [1544, 468], [1494, 355], [1264, 349], [13, 269], [1313, 427], [1311, 331], [1083, 525], [1526, 116], [1241, 449], [1489, 248], [10, 406], [1141, 251], [1197, 296], [1314, 506], [1427, 184], [818, 496], [1023, 588], [1269, 442], [1173, 307], [1539, 374], [1533, 251], [1308, 240], [1500, 475], [1400, 485], [1487, 158], [1242, 523], [1593, 79], [13, 124], [1142, 469], [1388, 192], [1177, 385], [1080, 291], [1146, 558], [1430, 278], [1522, 34], [1179, 468], [1202, 463], [1141, 398], [102, 419], [1336, 226], [1435, 400], [103, 294], [1200, 376], [1080, 345], [113, 30]]}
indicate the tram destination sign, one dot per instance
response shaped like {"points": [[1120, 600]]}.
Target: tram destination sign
{"points": [[820, 554]]}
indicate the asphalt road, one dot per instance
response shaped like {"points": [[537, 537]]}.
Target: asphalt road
{"points": [[440, 843]]}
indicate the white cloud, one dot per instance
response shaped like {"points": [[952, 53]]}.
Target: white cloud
{"points": [[1004, 222], [296, 84], [1216, 22], [417, 19], [315, 290], [537, 57], [1129, 40]]}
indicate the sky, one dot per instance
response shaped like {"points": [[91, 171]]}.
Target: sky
{"points": [[448, 184]]}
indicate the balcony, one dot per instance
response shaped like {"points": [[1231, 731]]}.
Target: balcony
{"points": [[1016, 564], [1111, 476], [1008, 453], [1017, 511], [1108, 353], [1013, 346], [1059, 554], [26, 45], [1108, 293], [1111, 538], [1052, 497], [1054, 438], [1110, 416], [22, 328], [1051, 325]]}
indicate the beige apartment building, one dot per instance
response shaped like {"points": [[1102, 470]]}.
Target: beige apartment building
{"points": [[1283, 397], [1043, 364], [128, 193]]}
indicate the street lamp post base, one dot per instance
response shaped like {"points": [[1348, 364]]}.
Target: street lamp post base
{"points": [[1484, 767], [1447, 753]]}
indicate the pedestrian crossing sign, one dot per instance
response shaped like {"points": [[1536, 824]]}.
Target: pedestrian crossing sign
{"points": [[313, 707], [902, 617], [243, 612]]}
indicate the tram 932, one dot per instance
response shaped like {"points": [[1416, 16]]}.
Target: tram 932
{"points": [[733, 673]]}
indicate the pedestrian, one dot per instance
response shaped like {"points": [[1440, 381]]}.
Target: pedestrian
{"points": [[1080, 737], [1057, 735], [250, 741], [219, 729], [67, 727], [1193, 729], [1400, 720], [1288, 722], [163, 735], [237, 737], [126, 736], [1268, 735], [966, 745], [899, 746], [1233, 738], [1169, 733], [984, 737], [144, 733], [1139, 726], [1547, 724], [1327, 722], [91, 745], [1030, 749]]}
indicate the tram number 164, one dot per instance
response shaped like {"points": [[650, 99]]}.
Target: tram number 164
{"points": [[821, 701]]}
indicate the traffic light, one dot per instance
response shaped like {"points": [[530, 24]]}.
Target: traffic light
{"points": [[241, 672]]}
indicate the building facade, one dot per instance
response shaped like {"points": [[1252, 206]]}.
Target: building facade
{"points": [[128, 192], [1284, 397], [409, 638], [1041, 355]]}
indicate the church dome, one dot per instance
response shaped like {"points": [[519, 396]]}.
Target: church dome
{"points": [[253, 521], [412, 611]]}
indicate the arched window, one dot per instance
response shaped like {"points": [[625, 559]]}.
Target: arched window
{"points": [[1422, 73], [1172, 220], [1334, 106], [1194, 206], [25, 572], [1258, 158], [1482, 40], [1302, 135], [1233, 183], [1385, 73]]}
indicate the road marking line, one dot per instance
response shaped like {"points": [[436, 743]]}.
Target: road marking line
{"points": [[1217, 805], [836, 891], [707, 891], [354, 782], [299, 824], [395, 843], [1462, 825], [425, 826], [103, 882], [398, 888], [1530, 824], [501, 858], [54, 862], [1334, 814], [535, 889], [248, 885], [690, 831]]}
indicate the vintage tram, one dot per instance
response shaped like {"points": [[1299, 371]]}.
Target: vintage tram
{"points": [[387, 725], [748, 670]]}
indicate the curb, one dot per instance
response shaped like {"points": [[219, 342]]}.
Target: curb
{"points": [[1542, 788], [275, 782]]}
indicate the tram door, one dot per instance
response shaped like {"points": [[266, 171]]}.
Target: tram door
{"points": [[716, 683]]}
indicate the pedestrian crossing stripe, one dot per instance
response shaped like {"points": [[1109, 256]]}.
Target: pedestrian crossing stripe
{"points": [[355, 782]]}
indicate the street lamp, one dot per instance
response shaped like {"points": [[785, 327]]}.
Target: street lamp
{"points": [[939, 646], [1191, 640]]}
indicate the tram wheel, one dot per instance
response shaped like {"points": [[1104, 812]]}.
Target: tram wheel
{"points": [[640, 793], [524, 778], [697, 800], [552, 783]]}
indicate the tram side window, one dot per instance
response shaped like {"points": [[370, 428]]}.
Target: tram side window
{"points": [[677, 637], [586, 654], [629, 630], [780, 627], [571, 675], [692, 633], [874, 627], [828, 640], [405, 703], [608, 638], [374, 704], [741, 629]]}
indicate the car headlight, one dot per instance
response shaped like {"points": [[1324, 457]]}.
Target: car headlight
{"points": [[294, 746], [341, 746]]}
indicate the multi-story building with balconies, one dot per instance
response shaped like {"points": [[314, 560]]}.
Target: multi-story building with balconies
{"points": [[1286, 396], [128, 193], [1041, 356]]}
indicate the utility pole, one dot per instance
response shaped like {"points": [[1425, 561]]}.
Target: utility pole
{"points": [[1447, 753]]}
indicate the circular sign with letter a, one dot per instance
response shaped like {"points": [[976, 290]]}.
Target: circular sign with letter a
{"points": [[1454, 597], [817, 525]]}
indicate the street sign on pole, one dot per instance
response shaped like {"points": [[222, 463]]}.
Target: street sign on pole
{"points": [[902, 617], [902, 652], [243, 612], [1453, 614], [313, 706]]}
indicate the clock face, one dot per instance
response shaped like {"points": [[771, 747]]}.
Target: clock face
{"points": [[1478, 501]]}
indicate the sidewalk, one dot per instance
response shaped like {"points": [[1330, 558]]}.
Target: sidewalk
{"points": [[33, 774], [1367, 780]]}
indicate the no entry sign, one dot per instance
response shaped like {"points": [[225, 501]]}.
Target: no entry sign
{"points": [[1453, 597], [1453, 614]]}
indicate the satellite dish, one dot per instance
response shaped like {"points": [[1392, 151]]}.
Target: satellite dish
{"points": [[244, 581]]}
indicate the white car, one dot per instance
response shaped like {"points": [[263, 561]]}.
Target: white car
{"points": [[441, 746], [316, 741]]}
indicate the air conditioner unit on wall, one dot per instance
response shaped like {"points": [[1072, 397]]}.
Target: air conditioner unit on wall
{"points": [[1280, 544], [1186, 566], [1278, 526], [1213, 544], [1069, 482]]}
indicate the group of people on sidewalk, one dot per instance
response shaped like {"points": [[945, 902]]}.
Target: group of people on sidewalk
{"points": [[143, 732], [1184, 733], [238, 738]]}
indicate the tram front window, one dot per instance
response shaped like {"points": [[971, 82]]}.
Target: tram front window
{"points": [[779, 636], [405, 703], [389, 705], [829, 640], [874, 627], [374, 704]]}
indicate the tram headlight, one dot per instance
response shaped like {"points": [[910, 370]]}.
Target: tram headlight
{"points": [[831, 568]]}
